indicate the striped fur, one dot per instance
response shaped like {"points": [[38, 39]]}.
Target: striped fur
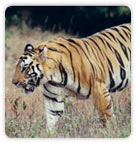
{"points": [[95, 65]]}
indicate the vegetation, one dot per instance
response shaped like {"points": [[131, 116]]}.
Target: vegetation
{"points": [[81, 20]]}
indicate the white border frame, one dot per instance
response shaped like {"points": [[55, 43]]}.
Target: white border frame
{"points": [[3, 5]]}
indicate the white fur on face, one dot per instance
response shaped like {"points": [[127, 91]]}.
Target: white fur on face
{"points": [[25, 62]]}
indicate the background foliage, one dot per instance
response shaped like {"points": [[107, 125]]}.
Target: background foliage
{"points": [[81, 20]]}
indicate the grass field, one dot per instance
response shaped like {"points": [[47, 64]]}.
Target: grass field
{"points": [[24, 114]]}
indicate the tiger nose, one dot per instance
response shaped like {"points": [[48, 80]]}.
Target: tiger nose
{"points": [[14, 82]]}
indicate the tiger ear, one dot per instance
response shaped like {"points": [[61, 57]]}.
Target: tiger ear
{"points": [[28, 47], [43, 53]]}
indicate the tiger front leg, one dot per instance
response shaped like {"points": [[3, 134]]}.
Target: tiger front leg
{"points": [[103, 102], [54, 108]]}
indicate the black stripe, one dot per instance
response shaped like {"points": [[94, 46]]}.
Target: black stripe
{"points": [[63, 74], [117, 88], [96, 51], [72, 66], [119, 58], [117, 30], [124, 49], [82, 51], [27, 54], [31, 82], [96, 45], [87, 58], [74, 48], [104, 53], [130, 36], [55, 112], [33, 69], [34, 74], [106, 36], [111, 47], [53, 99], [125, 27], [79, 87], [98, 56], [70, 58], [105, 92], [61, 45], [48, 90], [64, 77], [86, 45], [110, 33], [124, 85], [39, 79], [89, 92], [38, 68], [22, 58], [109, 105], [122, 73], [125, 33], [110, 64], [72, 41], [112, 82], [102, 40], [129, 52], [92, 51], [54, 50], [31, 63]]}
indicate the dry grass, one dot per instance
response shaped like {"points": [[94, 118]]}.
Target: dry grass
{"points": [[25, 114]]}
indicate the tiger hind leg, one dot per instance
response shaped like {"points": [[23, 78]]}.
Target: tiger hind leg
{"points": [[103, 102]]}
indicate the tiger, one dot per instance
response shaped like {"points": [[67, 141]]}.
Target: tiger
{"points": [[94, 66]]}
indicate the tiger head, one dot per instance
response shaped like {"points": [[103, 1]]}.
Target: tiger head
{"points": [[29, 71]]}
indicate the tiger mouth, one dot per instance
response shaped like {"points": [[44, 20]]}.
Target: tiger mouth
{"points": [[27, 87], [29, 90]]}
